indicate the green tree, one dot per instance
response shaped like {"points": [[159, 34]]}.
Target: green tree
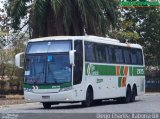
{"points": [[63, 17], [4, 30], [150, 37], [140, 25], [126, 26], [146, 22]]}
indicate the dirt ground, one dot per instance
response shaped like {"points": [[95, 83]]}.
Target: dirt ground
{"points": [[12, 99]]}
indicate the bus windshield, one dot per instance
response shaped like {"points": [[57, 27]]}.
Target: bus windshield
{"points": [[51, 68], [47, 68]]}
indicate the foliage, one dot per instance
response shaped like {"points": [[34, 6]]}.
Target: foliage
{"points": [[11, 77], [126, 27], [140, 25], [150, 37], [125, 36], [146, 22], [63, 17], [4, 30]]}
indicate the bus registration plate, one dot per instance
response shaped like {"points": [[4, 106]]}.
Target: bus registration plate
{"points": [[45, 97]]}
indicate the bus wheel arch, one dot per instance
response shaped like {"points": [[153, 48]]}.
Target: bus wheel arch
{"points": [[89, 97]]}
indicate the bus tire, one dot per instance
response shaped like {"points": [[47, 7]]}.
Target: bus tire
{"points": [[134, 94], [46, 105], [89, 98], [128, 95]]}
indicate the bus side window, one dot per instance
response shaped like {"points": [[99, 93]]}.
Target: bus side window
{"points": [[119, 55], [139, 57], [78, 68], [127, 58], [99, 51], [107, 54], [134, 56], [89, 52], [111, 55], [103, 57], [95, 51]]}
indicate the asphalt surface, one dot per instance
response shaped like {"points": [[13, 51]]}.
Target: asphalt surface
{"points": [[148, 103]]}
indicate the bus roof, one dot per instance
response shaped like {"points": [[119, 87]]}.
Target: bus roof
{"points": [[87, 38], [93, 38]]}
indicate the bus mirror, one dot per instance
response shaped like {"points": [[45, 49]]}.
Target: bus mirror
{"points": [[19, 58], [71, 56]]}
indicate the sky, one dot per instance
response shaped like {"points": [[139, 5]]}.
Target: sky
{"points": [[1, 5]]}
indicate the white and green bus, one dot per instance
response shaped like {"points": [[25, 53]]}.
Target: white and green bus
{"points": [[87, 69]]}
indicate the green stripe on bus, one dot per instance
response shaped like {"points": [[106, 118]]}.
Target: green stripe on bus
{"points": [[105, 70], [119, 81], [138, 71], [122, 81], [110, 70], [130, 71], [122, 70], [96, 70], [47, 86]]}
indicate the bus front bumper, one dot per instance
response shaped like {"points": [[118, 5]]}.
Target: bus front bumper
{"points": [[65, 96]]}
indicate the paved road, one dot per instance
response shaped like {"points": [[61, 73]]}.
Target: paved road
{"points": [[150, 102]]}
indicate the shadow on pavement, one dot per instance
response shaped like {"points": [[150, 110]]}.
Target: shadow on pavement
{"points": [[79, 106]]}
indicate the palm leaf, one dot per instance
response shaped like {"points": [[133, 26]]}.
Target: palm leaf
{"points": [[72, 15]]}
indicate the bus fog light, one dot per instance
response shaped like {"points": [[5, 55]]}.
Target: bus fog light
{"points": [[67, 99]]}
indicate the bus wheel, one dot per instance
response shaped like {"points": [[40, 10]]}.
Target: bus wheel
{"points": [[89, 98], [46, 105], [128, 95], [134, 93]]}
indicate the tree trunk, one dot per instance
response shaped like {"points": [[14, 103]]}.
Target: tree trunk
{"points": [[77, 26], [54, 23]]}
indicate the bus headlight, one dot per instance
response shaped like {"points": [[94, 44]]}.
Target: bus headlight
{"points": [[65, 89], [28, 90]]}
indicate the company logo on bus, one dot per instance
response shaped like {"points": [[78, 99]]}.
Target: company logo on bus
{"points": [[91, 70]]}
